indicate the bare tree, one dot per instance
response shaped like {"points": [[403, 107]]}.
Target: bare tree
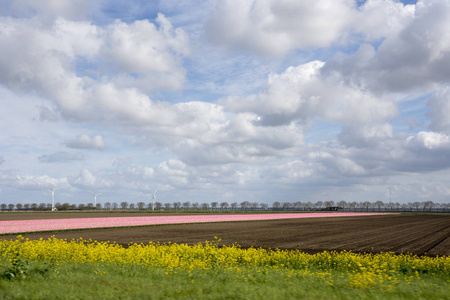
{"points": [[390, 206], [141, 205], [405, 207], [366, 205], [276, 205], [297, 205], [11, 207], [244, 205], [19, 206], [342, 204], [379, 204], [132, 206], [234, 205], [254, 205], [416, 205], [81, 206], [428, 205], [205, 206], [124, 204], [186, 205], [167, 206], [308, 205], [107, 205], [27, 206], [286, 205], [176, 205], [98, 206], [224, 205], [115, 205], [320, 204], [3, 206], [411, 206], [214, 205], [329, 203], [158, 205], [195, 205]]}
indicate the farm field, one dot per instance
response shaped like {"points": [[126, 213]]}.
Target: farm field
{"points": [[400, 233], [202, 261], [23, 226]]}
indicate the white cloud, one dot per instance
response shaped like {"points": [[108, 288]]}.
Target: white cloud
{"points": [[137, 55], [414, 58], [303, 93], [38, 182], [274, 27], [85, 142], [85, 178], [382, 18], [439, 112], [430, 141], [60, 157], [144, 55]]}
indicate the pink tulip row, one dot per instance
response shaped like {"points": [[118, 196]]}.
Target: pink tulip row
{"points": [[81, 223]]}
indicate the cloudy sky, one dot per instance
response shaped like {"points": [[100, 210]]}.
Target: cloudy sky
{"points": [[260, 101]]}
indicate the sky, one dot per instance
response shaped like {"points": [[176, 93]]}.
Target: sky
{"points": [[224, 101]]}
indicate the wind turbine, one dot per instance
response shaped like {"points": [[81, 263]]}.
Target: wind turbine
{"points": [[154, 198], [95, 198], [53, 196]]}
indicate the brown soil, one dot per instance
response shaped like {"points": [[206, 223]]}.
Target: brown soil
{"points": [[417, 234]]}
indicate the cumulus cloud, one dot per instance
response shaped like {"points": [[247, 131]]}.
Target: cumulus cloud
{"points": [[439, 105], [136, 55], [144, 55], [85, 142], [430, 141], [304, 93], [127, 169], [86, 178], [414, 59], [60, 157], [382, 18], [275, 27], [38, 182]]}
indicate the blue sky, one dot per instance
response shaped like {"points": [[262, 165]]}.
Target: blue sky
{"points": [[233, 101]]}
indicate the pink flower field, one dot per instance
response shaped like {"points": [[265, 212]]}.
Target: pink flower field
{"points": [[82, 223]]}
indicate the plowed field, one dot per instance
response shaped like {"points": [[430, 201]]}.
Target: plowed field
{"points": [[413, 233]]}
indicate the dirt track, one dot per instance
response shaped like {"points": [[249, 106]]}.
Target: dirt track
{"points": [[417, 234]]}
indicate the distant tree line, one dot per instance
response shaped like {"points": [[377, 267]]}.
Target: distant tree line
{"points": [[426, 206]]}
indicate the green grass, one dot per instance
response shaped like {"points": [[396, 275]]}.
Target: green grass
{"points": [[107, 281]]}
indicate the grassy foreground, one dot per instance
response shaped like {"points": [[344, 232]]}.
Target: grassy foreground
{"points": [[60, 269]]}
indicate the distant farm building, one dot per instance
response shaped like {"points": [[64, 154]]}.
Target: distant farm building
{"points": [[332, 208]]}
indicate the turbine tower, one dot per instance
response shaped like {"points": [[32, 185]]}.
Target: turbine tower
{"points": [[154, 198], [95, 198], [53, 197]]}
